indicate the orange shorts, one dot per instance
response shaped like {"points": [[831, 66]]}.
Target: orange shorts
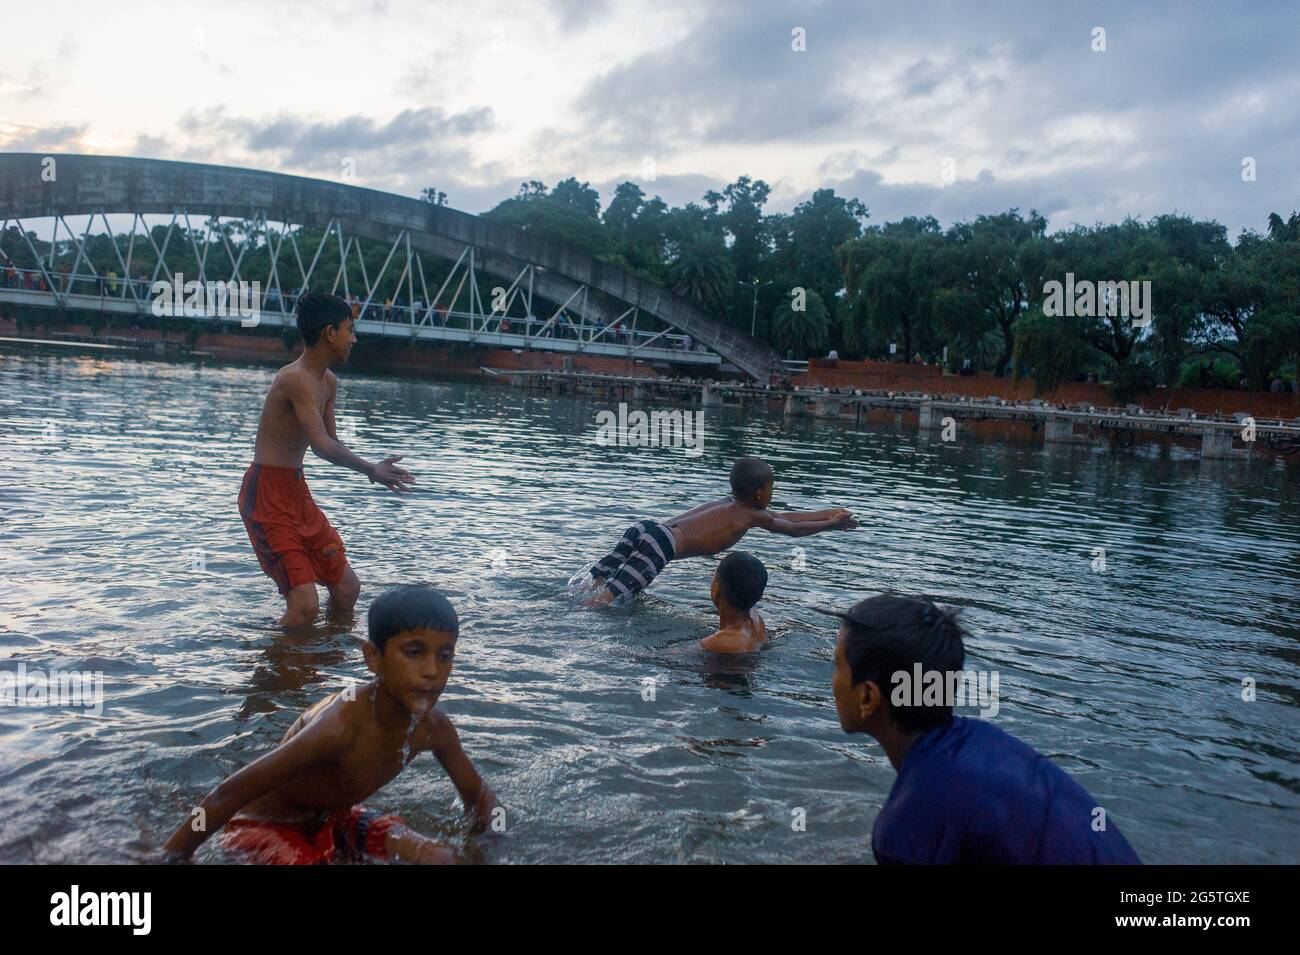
{"points": [[353, 833], [291, 536]]}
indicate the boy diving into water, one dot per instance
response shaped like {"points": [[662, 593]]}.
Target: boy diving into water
{"points": [[292, 538], [648, 546], [299, 804]]}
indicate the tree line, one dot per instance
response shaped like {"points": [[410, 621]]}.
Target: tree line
{"points": [[820, 278]]}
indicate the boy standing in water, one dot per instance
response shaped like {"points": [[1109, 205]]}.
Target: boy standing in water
{"points": [[648, 546], [738, 584], [299, 804], [292, 538], [966, 791]]}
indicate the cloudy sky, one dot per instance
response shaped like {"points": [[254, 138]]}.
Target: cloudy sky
{"points": [[947, 109]]}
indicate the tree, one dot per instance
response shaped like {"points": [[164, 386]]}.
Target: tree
{"points": [[579, 196], [1001, 258], [702, 272], [568, 215], [800, 331], [890, 274], [1048, 348], [805, 243], [431, 195]]}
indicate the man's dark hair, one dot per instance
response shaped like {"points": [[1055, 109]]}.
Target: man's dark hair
{"points": [[890, 634], [409, 607], [742, 579], [318, 311], [749, 476]]}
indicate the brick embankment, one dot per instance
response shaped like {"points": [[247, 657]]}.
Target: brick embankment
{"points": [[929, 379]]}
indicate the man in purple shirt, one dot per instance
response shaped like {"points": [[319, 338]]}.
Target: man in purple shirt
{"points": [[966, 791]]}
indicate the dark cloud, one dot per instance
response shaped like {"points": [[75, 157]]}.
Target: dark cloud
{"points": [[1014, 94], [1160, 120], [65, 138]]}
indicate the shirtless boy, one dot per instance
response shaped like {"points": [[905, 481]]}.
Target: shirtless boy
{"points": [[300, 803], [292, 538], [648, 546], [738, 584]]}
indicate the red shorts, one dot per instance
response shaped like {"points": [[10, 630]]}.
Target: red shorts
{"points": [[291, 536], [352, 833]]}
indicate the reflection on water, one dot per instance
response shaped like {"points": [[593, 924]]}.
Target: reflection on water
{"points": [[122, 552]]}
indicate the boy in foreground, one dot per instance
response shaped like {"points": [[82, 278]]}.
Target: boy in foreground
{"points": [[738, 584], [966, 791], [292, 538], [299, 804], [648, 546]]}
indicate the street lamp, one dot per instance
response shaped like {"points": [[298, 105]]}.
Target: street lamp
{"points": [[753, 316]]}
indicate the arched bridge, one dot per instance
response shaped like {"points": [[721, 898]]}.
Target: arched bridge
{"points": [[192, 197]]}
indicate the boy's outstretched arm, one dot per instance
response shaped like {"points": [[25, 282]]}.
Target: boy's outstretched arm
{"points": [[800, 517], [316, 744], [781, 524], [477, 795], [326, 446]]}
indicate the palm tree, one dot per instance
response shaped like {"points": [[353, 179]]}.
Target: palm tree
{"points": [[801, 332], [702, 272]]}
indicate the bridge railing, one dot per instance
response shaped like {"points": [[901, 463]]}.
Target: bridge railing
{"points": [[139, 291]]}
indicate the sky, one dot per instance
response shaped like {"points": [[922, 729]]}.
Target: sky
{"points": [[913, 107]]}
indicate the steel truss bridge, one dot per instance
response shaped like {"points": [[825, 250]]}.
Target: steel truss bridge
{"points": [[544, 290]]}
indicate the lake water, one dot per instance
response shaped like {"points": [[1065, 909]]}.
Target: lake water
{"points": [[122, 551]]}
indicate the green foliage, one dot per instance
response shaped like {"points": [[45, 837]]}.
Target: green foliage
{"points": [[800, 331], [702, 272], [1049, 349], [1132, 379], [976, 288]]}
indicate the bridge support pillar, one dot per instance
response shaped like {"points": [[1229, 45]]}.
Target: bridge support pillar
{"points": [[709, 398], [826, 407], [640, 392], [1217, 443], [926, 416], [1058, 431]]}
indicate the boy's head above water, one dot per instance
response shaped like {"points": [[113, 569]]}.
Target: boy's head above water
{"points": [[739, 580], [751, 482], [412, 644], [326, 320], [884, 635]]}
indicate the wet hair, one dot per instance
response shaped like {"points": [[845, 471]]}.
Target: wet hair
{"points": [[318, 311], [742, 579], [888, 634], [749, 476], [406, 608]]}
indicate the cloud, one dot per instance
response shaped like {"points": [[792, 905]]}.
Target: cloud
{"points": [[66, 138], [1014, 95]]}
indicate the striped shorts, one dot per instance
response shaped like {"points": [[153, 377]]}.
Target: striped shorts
{"points": [[644, 551]]}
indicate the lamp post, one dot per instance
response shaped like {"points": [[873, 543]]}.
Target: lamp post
{"points": [[753, 315]]}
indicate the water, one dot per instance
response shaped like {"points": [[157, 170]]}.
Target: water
{"points": [[122, 551]]}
